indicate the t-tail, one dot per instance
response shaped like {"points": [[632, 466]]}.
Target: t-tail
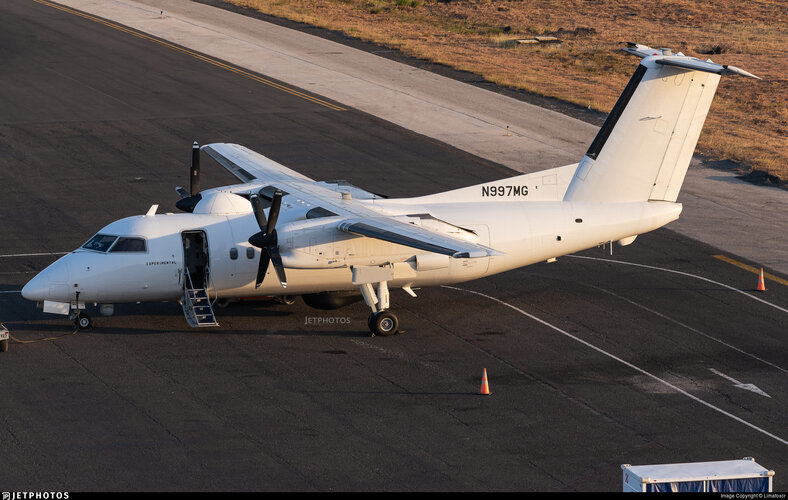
{"points": [[643, 150]]}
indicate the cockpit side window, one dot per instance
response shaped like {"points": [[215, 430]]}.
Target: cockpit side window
{"points": [[100, 242], [125, 244]]}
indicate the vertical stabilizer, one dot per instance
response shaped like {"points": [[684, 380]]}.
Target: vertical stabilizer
{"points": [[643, 150]]}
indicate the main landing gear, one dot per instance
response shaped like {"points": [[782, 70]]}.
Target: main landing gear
{"points": [[381, 321]]}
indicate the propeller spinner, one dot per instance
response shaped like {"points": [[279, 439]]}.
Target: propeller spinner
{"points": [[266, 240]]}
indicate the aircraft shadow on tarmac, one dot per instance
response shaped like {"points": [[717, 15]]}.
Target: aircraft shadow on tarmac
{"points": [[25, 321]]}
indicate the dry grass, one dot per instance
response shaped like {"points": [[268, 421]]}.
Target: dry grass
{"points": [[748, 122]]}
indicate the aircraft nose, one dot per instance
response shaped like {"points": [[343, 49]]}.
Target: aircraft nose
{"points": [[39, 287]]}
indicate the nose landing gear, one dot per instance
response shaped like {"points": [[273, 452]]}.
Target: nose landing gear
{"points": [[84, 322], [81, 319]]}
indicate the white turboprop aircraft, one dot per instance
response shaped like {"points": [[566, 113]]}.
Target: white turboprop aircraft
{"points": [[282, 234]]}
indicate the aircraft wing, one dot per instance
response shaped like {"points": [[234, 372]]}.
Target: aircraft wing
{"points": [[402, 233], [249, 166], [332, 198]]}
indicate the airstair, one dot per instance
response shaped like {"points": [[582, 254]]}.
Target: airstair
{"points": [[197, 305]]}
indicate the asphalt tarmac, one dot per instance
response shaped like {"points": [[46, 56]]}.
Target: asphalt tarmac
{"points": [[593, 361]]}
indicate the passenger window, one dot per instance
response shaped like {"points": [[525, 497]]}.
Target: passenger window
{"points": [[129, 245], [233, 253], [100, 242]]}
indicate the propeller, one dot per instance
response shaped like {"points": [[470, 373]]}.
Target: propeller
{"points": [[266, 240], [194, 173], [189, 199]]}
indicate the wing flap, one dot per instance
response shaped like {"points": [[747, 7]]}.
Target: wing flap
{"points": [[401, 233]]}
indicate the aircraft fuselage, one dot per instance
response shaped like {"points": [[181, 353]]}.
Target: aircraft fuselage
{"points": [[318, 257]]}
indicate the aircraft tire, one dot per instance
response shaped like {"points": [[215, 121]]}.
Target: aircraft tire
{"points": [[84, 322], [383, 323]]}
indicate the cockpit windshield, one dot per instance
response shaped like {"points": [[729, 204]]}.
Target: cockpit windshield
{"points": [[100, 242], [129, 245], [110, 242]]}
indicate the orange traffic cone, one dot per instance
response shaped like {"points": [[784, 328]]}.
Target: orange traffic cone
{"points": [[761, 285], [485, 390]]}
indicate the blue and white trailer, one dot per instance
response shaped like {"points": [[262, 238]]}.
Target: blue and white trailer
{"points": [[724, 476]]}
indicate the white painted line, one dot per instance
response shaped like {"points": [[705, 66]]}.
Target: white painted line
{"points": [[740, 385], [683, 274], [694, 330], [626, 363], [32, 254]]}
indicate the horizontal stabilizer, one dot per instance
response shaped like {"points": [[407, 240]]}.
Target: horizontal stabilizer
{"points": [[707, 66], [679, 60]]}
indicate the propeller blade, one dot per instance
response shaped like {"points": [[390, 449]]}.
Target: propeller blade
{"points": [[273, 251], [194, 171], [273, 213], [190, 199], [267, 240], [259, 213], [262, 267]]}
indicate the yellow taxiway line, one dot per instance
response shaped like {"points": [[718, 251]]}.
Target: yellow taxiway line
{"points": [[196, 55], [753, 270]]}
